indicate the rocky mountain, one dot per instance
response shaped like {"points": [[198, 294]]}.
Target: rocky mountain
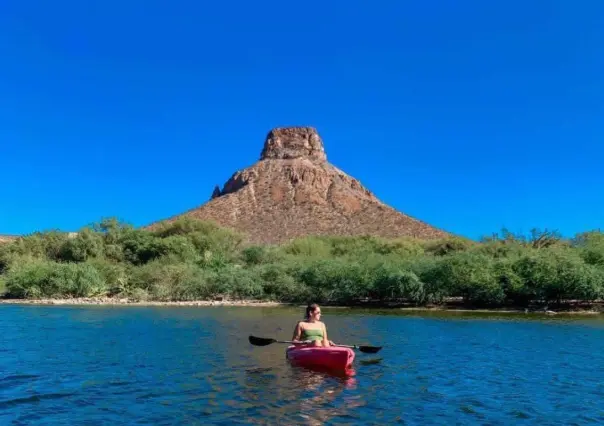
{"points": [[294, 191], [7, 238]]}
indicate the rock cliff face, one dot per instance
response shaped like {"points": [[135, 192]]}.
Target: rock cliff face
{"points": [[293, 191]]}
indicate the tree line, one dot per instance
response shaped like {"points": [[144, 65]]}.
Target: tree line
{"points": [[194, 260]]}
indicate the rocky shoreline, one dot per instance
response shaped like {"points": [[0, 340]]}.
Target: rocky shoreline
{"points": [[114, 301], [132, 302]]}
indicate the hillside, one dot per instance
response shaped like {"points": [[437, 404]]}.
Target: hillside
{"points": [[294, 191]]}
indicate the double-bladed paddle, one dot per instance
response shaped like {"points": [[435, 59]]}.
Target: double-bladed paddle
{"points": [[262, 341]]}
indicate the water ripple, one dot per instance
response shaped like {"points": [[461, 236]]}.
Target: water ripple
{"points": [[94, 365]]}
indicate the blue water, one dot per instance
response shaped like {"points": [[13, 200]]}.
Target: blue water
{"points": [[159, 365]]}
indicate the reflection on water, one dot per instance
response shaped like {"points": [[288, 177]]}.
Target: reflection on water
{"points": [[298, 396], [123, 365]]}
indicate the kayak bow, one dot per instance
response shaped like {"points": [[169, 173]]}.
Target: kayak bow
{"points": [[331, 358]]}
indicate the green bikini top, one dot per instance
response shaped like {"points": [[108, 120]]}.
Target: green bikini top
{"points": [[314, 334]]}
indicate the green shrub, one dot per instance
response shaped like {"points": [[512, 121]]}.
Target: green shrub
{"points": [[85, 245], [363, 246], [185, 226], [217, 240], [167, 282], [115, 275], [43, 245], [352, 247], [178, 248], [140, 247], [308, 246], [111, 229], [191, 259], [501, 249], [510, 282], [254, 255], [395, 283], [40, 278], [257, 255], [279, 285], [556, 274], [446, 246], [6, 256], [138, 295], [333, 280], [468, 275], [238, 283], [402, 247], [591, 247]]}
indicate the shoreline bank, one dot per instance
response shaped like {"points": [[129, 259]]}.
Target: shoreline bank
{"points": [[596, 309], [108, 301]]}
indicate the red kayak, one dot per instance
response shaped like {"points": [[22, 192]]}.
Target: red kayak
{"points": [[335, 358]]}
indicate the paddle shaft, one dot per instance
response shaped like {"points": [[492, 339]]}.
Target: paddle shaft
{"points": [[260, 341], [304, 342]]}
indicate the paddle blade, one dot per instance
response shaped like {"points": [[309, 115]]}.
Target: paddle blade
{"points": [[370, 361], [260, 341], [370, 349]]}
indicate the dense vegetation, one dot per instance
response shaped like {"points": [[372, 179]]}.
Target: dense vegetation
{"points": [[192, 260]]}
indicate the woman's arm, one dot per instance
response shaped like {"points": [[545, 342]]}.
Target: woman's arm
{"points": [[297, 333], [326, 341]]}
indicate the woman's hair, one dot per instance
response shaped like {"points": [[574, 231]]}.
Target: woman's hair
{"points": [[309, 309]]}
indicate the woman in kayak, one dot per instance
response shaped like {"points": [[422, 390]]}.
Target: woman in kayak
{"points": [[311, 329]]}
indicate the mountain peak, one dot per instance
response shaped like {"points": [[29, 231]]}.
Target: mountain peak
{"points": [[293, 192], [293, 142]]}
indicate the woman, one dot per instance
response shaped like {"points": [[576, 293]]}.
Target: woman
{"points": [[311, 329]]}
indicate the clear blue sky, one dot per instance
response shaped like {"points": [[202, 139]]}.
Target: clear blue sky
{"points": [[471, 115]]}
